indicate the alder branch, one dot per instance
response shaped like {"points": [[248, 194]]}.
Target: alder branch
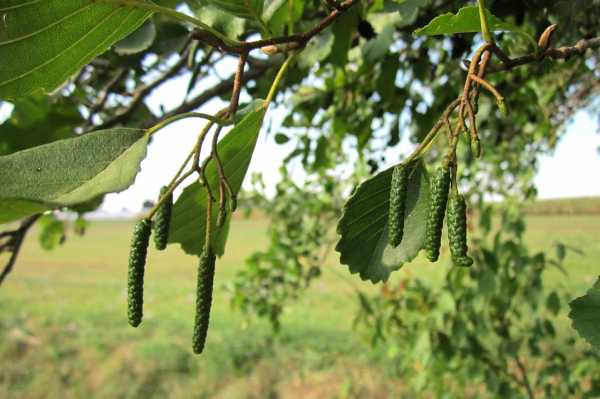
{"points": [[299, 40], [14, 244], [559, 53], [141, 92], [217, 90]]}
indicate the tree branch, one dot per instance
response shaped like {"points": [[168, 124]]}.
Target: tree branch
{"points": [[524, 378], [141, 93], [219, 89], [560, 53], [299, 40], [15, 243]]}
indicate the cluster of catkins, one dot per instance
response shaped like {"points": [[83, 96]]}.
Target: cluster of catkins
{"points": [[457, 214], [137, 264]]}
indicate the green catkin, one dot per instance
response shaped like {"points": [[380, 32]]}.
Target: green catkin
{"points": [[398, 190], [162, 221], [137, 263], [206, 274], [457, 230], [440, 185]]}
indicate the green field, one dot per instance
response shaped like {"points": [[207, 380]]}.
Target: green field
{"points": [[64, 332]]}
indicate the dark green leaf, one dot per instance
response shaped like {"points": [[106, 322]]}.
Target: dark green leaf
{"points": [[15, 209], [281, 138], [363, 227], [343, 31], [465, 21], [43, 43], [553, 303], [188, 223], [38, 120], [585, 315]]}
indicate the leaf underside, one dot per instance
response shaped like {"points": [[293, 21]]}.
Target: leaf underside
{"points": [[69, 171], [363, 245]]}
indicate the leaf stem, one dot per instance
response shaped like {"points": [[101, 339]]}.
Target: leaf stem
{"points": [[278, 78], [485, 28]]}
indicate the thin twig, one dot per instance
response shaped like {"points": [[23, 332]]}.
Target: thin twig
{"points": [[105, 92], [560, 53], [489, 87], [524, 379], [140, 93], [237, 84], [16, 242]]}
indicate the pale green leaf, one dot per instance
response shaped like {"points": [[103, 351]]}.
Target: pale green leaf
{"points": [[44, 42], [585, 315], [52, 232], [72, 171], [317, 49], [188, 224], [138, 41], [465, 21], [248, 9], [363, 245]]}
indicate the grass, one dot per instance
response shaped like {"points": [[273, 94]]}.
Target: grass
{"points": [[64, 331], [565, 206]]}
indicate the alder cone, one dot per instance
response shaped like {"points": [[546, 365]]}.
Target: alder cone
{"points": [[162, 221], [137, 265], [398, 189], [204, 289], [440, 185], [457, 230]]}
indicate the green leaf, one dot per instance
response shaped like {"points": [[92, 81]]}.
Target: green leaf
{"points": [[248, 9], [52, 232], [15, 209], [465, 21], [386, 82], [585, 315], [38, 120], [363, 227], [376, 48], [188, 223], [43, 43], [280, 13], [138, 41], [343, 31], [317, 49], [281, 138], [553, 303], [72, 171]]}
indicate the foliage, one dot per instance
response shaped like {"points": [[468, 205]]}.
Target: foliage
{"points": [[492, 328], [301, 220], [357, 82]]}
